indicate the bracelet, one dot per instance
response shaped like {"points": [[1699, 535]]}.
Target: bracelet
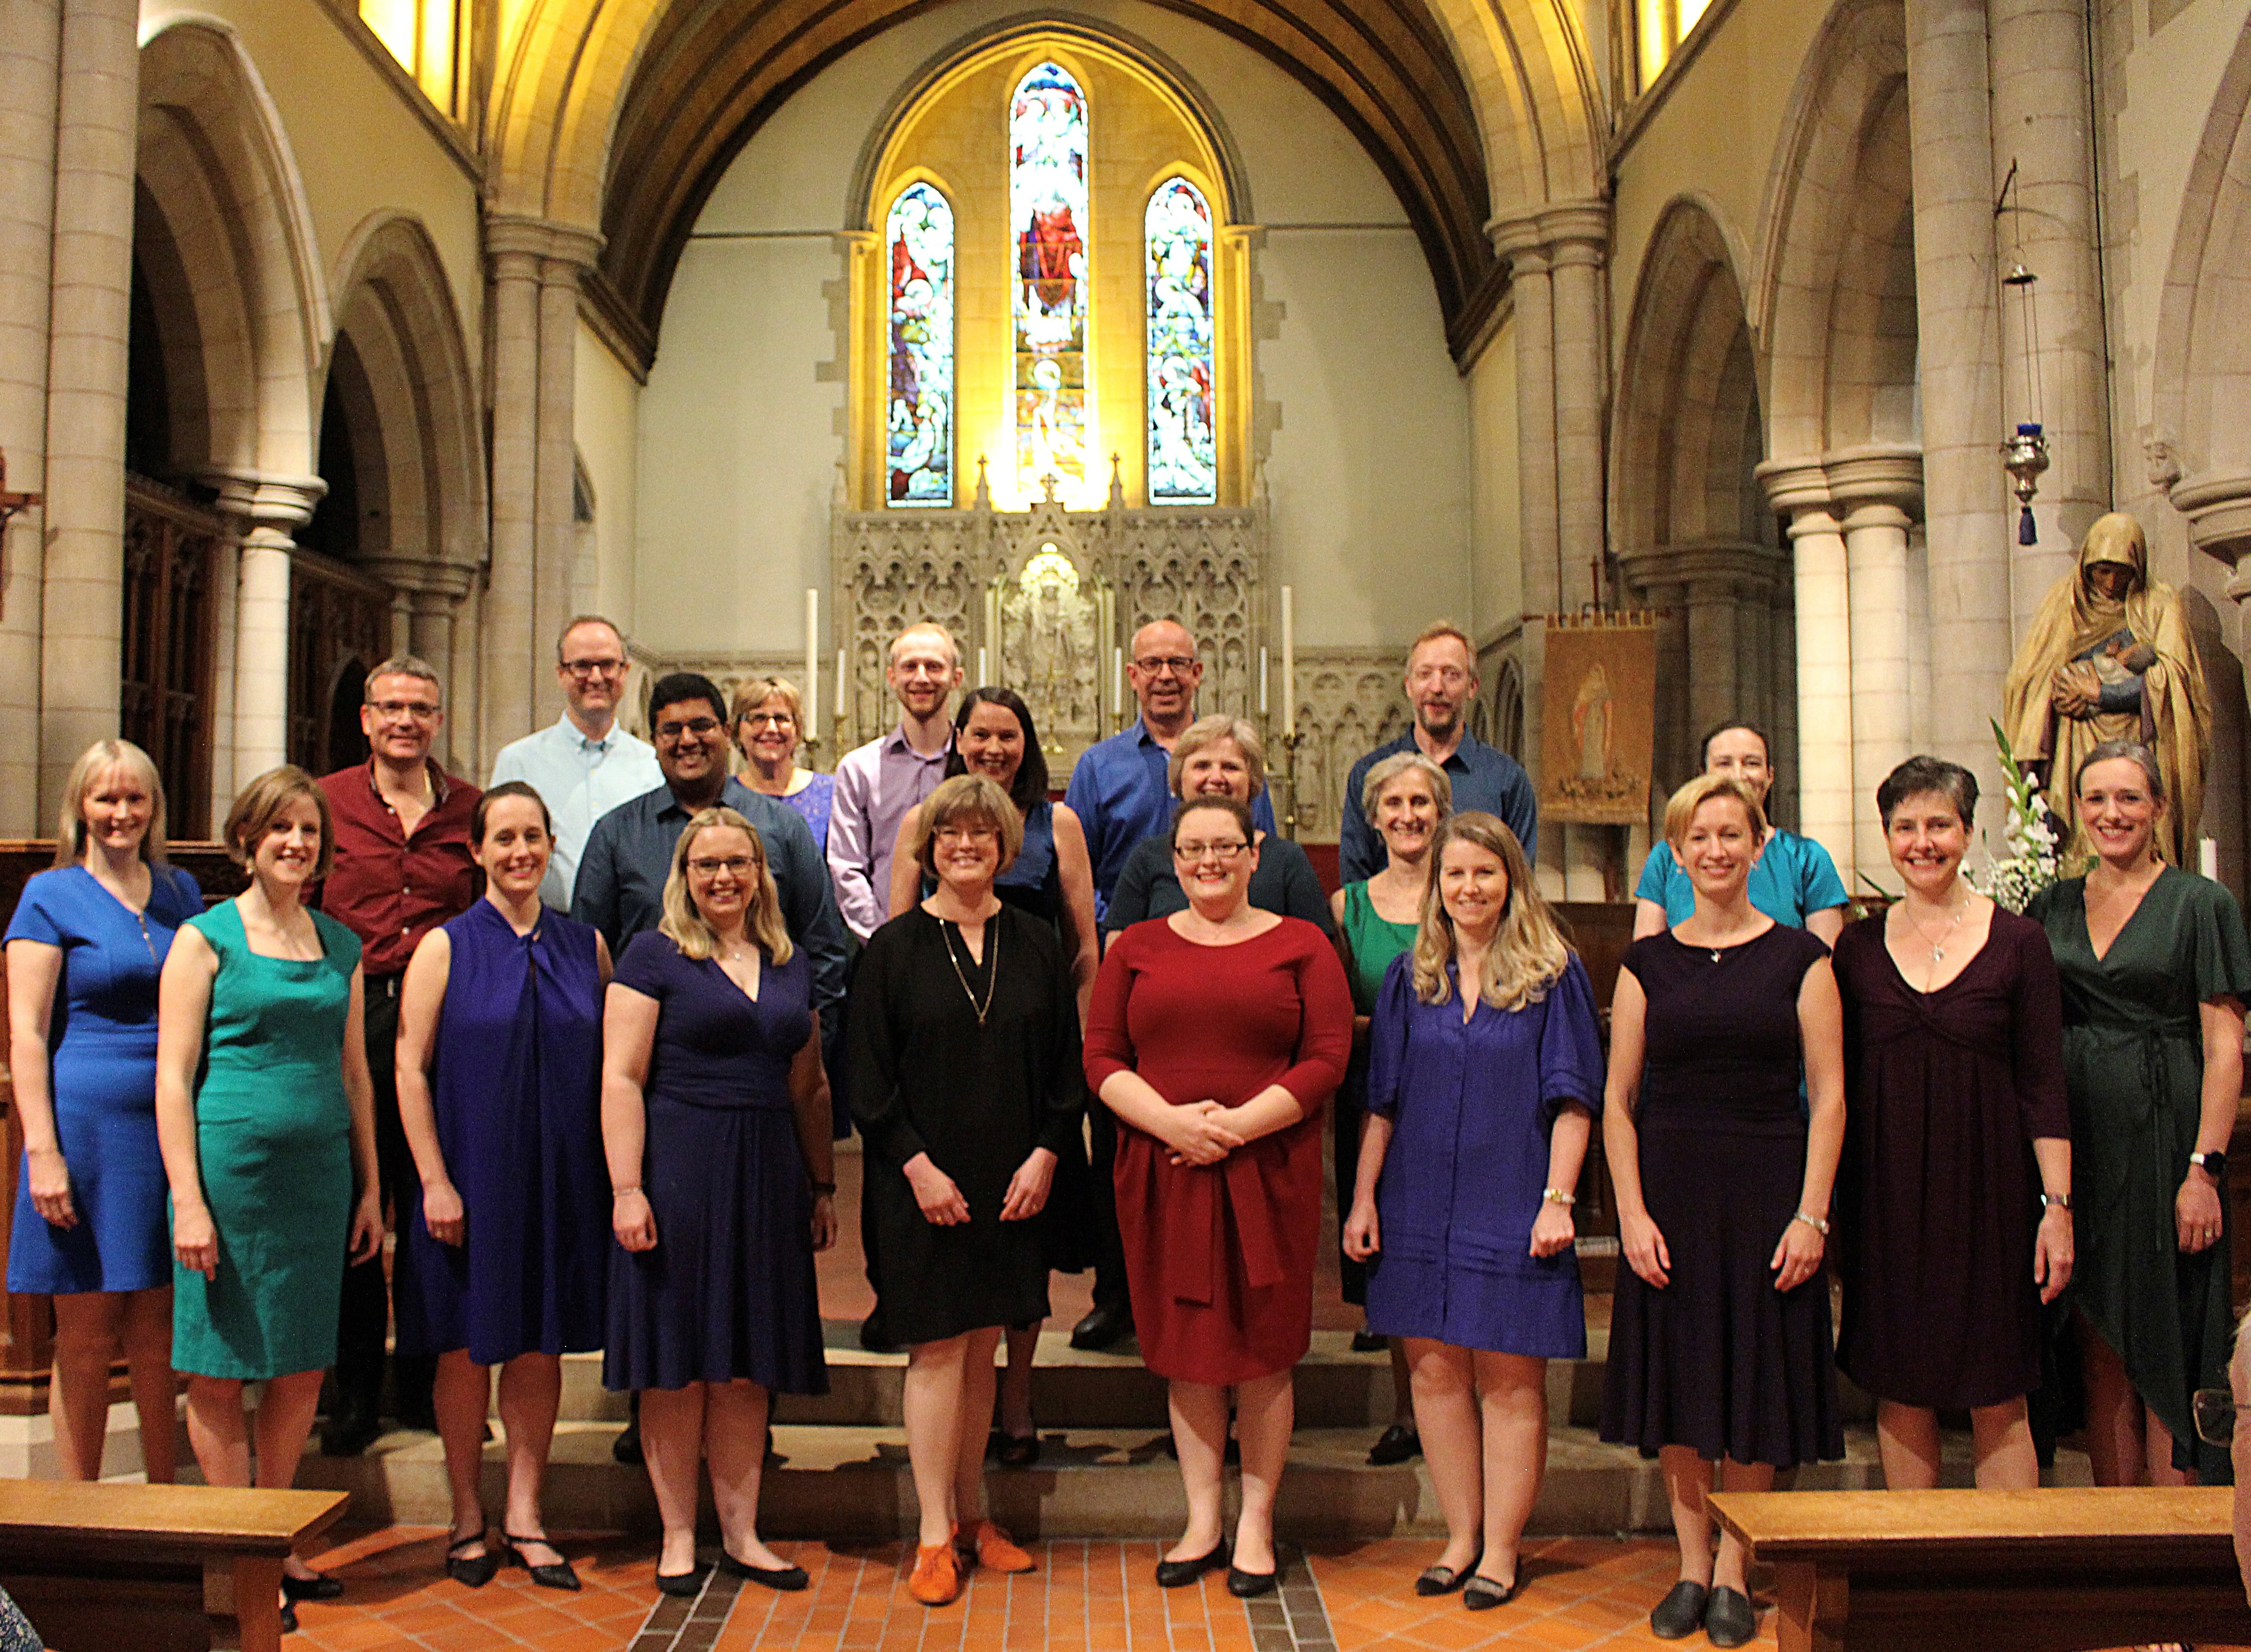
{"points": [[2061, 1200], [1558, 1196], [1814, 1222], [822, 1188], [620, 1192]]}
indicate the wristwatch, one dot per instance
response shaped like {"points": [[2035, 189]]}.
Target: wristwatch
{"points": [[2214, 1163]]}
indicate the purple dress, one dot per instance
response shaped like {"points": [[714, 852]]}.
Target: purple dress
{"points": [[728, 1291], [515, 1081], [1471, 1105]]}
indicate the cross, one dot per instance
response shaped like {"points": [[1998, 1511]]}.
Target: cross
{"points": [[10, 503], [1048, 481]]}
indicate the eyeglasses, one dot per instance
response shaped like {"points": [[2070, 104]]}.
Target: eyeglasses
{"points": [[1157, 665], [768, 720], [740, 865], [2214, 1412], [391, 710], [699, 727], [1225, 852], [583, 668], [967, 834]]}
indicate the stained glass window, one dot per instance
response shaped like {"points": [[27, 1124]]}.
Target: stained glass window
{"points": [[1176, 239], [1047, 202], [919, 406]]}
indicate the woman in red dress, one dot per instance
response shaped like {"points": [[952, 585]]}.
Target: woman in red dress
{"points": [[1215, 1035]]}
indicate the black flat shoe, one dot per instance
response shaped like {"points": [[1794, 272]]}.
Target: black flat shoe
{"points": [[1017, 1450], [555, 1575], [1481, 1594], [1445, 1579], [788, 1580], [1729, 1618], [1101, 1328], [1248, 1585], [319, 1587], [1680, 1613], [1367, 1342], [1178, 1574], [471, 1570], [683, 1584], [1394, 1446]]}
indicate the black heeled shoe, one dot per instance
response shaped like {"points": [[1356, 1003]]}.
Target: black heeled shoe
{"points": [[471, 1570], [556, 1575], [1178, 1574], [319, 1587]]}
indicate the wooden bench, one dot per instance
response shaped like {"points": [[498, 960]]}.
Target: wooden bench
{"points": [[153, 1568], [2066, 1570]]}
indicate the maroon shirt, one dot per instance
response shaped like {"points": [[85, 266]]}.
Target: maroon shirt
{"points": [[390, 890]]}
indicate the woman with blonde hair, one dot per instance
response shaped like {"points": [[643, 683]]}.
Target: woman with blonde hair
{"points": [[715, 1121], [267, 1117], [767, 719], [1484, 1073], [1720, 1352], [85, 947]]}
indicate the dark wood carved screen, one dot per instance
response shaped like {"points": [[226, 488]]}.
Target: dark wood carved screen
{"points": [[171, 630], [339, 627]]}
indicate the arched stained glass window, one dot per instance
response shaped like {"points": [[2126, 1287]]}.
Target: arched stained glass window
{"points": [[1177, 256], [1046, 209], [918, 409]]}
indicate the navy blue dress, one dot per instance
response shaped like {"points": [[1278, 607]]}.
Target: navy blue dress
{"points": [[101, 1054], [516, 1081], [1471, 1106], [728, 1292]]}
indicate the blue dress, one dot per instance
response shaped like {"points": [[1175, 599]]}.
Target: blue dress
{"points": [[1792, 877], [101, 1048], [813, 803], [728, 1291], [515, 1081], [1471, 1105]]}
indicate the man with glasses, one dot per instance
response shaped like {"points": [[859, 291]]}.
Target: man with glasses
{"points": [[402, 867], [1119, 792], [1441, 681], [877, 783], [584, 764]]}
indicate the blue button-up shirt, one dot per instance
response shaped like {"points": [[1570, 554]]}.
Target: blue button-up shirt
{"points": [[1117, 792], [580, 780], [1484, 778], [629, 855]]}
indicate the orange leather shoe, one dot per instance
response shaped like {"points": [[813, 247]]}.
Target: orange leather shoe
{"points": [[994, 1549], [936, 1580]]}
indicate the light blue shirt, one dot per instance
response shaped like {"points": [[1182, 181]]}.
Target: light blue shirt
{"points": [[580, 780]]}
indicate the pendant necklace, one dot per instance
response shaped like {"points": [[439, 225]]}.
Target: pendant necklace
{"points": [[1938, 949], [992, 958]]}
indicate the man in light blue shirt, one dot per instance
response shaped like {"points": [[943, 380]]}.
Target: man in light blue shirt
{"points": [[584, 765]]}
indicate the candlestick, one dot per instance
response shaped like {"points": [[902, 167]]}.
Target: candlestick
{"points": [[2207, 857], [811, 659], [1118, 684], [1288, 660], [1262, 679]]}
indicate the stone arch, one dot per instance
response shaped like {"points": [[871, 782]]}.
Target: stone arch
{"points": [[232, 274], [1831, 300]]}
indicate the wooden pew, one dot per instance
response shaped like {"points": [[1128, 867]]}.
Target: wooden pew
{"points": [[105, 1567], [2066, 1570]]}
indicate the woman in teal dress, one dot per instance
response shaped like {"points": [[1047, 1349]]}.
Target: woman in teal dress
{"points": [[2156, 967], [266, 1118], [1406, 797], [1793, 880]]}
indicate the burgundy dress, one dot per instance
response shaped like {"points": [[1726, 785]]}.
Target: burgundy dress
{"points": [[1219, 1258], [1938, 1196]]}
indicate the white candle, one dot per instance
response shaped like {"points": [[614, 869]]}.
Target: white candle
{"points": [[811, 660], [981, 678], [843, 698], [1262, 680], [2207, 857], [1288, 660], [1117, 681]]}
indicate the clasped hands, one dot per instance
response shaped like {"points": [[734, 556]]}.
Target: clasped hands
{"points": [[1200, 1132], [940, 1200]]}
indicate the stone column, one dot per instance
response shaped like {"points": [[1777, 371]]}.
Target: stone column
{"points": [[429, 597], [270, 509], [1539, 527], [1799, 489], [1579, 238], [1967, 517], [571, 253], [1724, 593], [2039, 125], [1872, 491], [96, 126], [1653, 581], [30, 45]]}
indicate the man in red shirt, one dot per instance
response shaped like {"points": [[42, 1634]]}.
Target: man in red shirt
{"points": [[402, 867]]}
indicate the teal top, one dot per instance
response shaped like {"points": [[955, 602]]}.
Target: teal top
{"points": [[1371, 941], [1792, 877]]}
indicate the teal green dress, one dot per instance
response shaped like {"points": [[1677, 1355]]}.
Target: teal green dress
{"points": [[2133, 1052], [274, 1145], [1371, 941]]}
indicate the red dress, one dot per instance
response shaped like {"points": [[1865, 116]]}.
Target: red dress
{"points": [[1220, 1257]]}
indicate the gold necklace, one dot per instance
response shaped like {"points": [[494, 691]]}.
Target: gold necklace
{"points": [[992, 957]]}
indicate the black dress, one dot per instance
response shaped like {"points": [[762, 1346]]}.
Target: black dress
{"points": [[1938, 1195], [1718, 1360], [928, 1077]]}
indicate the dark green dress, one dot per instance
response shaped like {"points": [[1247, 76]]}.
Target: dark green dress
{"points": [[1372, 940], [2133, 1050]]}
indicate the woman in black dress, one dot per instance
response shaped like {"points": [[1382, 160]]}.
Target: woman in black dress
{"points": [[1948, 1238], [715, 1126], [965, 1082], [1719, 1356]]}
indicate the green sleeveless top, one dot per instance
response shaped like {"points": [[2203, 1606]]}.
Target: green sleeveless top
{"points": [[1374, 941]]}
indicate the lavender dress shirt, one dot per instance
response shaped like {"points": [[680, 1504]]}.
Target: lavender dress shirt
{"points": [[876, 785]]}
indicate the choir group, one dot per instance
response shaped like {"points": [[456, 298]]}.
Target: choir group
{"points": [[1102, 1033]]}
